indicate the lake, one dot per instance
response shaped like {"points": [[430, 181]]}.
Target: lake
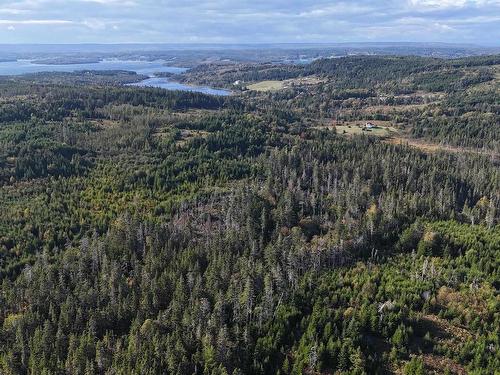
{"points": [[166, 84], [148, 68], [140, 67]]}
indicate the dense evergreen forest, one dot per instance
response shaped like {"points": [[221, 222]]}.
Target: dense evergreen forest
{"points": [[452, 102], [153, 232]]}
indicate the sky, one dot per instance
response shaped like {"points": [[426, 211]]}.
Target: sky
{"points": [[253, 21]]}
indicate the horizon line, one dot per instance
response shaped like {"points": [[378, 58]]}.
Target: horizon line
{"points": [[249, 43]]}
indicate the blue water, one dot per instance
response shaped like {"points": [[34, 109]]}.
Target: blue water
{"points": [[141, 67], [165, 83], [148, 68]]}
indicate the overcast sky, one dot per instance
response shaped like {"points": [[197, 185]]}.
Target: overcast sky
{"points": [[233, 21]]}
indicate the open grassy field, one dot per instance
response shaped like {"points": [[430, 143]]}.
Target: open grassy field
{"points": [[353, 129], [279, 85], [266, 86], [382, 129]]}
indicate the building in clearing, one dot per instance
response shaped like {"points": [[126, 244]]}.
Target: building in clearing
{"points": [[369, 125]]}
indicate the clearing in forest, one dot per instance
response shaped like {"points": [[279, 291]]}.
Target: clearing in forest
{"points": [[266, 86], [376, 128], [431, 147], [273, 85]]}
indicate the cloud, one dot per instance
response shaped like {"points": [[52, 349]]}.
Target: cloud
{"points": [[12, 11], [248, 21], [35, 22], [95, 23], [446, 4], [127, 3], [439, 3]]}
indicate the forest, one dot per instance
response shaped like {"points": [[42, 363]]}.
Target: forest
{"points": [[146, 231], [452, 102]]}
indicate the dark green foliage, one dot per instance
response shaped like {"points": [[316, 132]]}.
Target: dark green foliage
{"points": [[142, 232]]}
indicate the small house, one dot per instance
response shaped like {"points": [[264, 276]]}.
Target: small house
{"points": [[369, 125]]}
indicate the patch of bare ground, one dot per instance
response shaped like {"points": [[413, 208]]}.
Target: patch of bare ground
{"points": [[104, 123], [430, 147], [187, 134], [15, 98], [435, 364], [386, 109], [192, 112], [443, 330], [445, 333]]}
